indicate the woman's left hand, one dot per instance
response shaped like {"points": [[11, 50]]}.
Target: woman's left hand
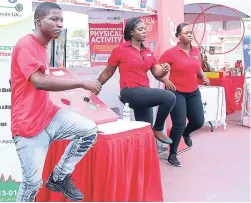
{"points": [[165, 67], [206, 81]]}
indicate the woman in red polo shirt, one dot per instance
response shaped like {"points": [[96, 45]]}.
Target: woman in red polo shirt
{"points": [[134, 61], [185, 62]]}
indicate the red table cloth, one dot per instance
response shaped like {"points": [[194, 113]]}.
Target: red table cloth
{"points": [[233, 90], [120, 167]]}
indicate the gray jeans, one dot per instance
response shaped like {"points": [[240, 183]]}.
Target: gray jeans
{"points": [[66, 125]]}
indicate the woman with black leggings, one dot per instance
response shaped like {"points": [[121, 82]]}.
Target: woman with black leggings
{"points": [[134, 61], [185, 62]]}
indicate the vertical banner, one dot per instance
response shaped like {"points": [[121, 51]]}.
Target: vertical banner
{"points": [[104, 37], [15, 22], [151, 42], [152, 37], [247, 44], [170, 15]]}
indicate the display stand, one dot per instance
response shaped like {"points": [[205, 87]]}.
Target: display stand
{"points": [[246, 104]]}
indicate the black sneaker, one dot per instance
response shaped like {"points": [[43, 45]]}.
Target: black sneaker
{"points": [[172, 160], [188, 141], [65, 186]]}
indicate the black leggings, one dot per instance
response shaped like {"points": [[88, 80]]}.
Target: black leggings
{"points": [[188, 105], [142, 99]]}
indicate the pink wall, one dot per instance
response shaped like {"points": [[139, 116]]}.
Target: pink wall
{"points": [[170, 14]]}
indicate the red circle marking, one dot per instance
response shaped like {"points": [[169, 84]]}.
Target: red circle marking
{"points": [[204, 31], [66, 101]]}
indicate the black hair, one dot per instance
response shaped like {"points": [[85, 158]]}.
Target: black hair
{"points": [[179, 28], [130, 25], [43, 10]]}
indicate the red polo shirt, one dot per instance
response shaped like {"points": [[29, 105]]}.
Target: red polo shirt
{"points": [[133, 65], [31, 109], [184, 67]]}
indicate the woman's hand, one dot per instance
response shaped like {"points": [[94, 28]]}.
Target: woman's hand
{"points": [[160, 70], [206, 81], [170, 86], [165, 67]]}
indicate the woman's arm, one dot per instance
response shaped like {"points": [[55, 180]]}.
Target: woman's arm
{"points": [[113, 63], [209, 67], [156, 69], [201, 75], [160, 71], [107, 74]]}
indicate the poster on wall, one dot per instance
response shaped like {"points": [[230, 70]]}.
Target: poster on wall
{"points": [[246, 43], [91, 3], [136, 5], [15, 22], [104, 38], [151, 42], [112, 4], [151, 6]]}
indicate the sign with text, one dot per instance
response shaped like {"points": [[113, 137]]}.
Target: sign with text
{"points": [[144, 6], [112, 4], [152, 41], [103, 39], [15, 21], [12, 11]]}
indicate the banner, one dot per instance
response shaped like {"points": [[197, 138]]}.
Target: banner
{"points": [[112, 4], [15, 22], [144, 6], [152, 37], [103, 39], [247, 44], [151, 42]]}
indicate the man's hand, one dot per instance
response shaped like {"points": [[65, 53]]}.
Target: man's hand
{"points": [[94, 86], [206, 81], [170, 86]]}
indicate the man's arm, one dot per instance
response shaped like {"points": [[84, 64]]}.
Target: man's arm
{"points": [[29, 62], [42, 82]]}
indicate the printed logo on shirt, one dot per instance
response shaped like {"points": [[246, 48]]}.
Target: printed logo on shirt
{"points": [[196, 57]]}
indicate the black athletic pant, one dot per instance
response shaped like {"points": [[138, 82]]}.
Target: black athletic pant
{"points": [[188, 105], [142, 99]]}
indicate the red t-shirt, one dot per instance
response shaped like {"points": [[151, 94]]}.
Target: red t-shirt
{"points": [[184, 67], [133, 65], [31, 109]]}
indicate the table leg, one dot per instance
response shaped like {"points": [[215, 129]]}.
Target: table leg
{"points": [[212, 127]]}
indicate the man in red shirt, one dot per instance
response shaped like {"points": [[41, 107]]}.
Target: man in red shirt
{"points": [[35, 121]]}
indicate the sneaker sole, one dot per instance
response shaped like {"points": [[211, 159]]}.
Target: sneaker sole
{"points": [[173, 165], [55, 188]]}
